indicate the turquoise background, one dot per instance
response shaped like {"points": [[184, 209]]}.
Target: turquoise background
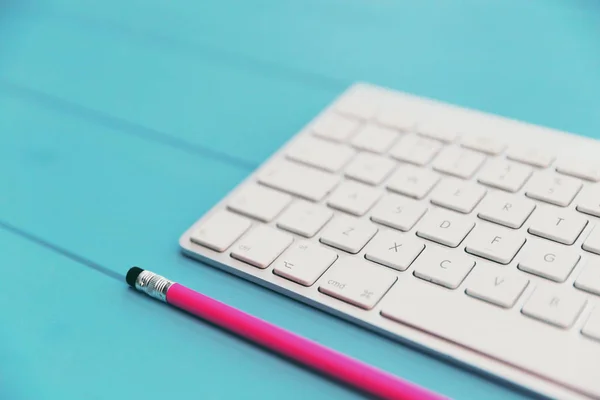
{"points": [[122, 122]]}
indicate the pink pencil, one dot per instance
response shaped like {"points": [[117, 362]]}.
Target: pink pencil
{"points": [[304, 351]]}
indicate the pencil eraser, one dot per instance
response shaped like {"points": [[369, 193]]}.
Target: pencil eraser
{"points": [[132, 275]]}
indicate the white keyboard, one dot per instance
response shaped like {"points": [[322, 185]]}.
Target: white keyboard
{"points": [[467, 234]]}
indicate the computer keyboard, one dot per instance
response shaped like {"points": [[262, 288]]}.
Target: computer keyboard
{"points": [[463, 233]]}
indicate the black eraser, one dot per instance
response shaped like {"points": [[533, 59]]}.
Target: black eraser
{"points": [[132, 275]]}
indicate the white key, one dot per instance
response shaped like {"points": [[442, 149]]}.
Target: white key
{"points": [[354, 198], [335, 127], [494, 332], [392, 115], [304, 218], [369, 168], [261, 246], [348, 234], [589, 201], [457, 195], [589, 278], [394, 250], [415, 149], [554, 305], [259, 202], [438, 131], [374, 138], [357, 282], [304, 262], [442, 267], [580, 169], [445, 228], [505, 175], [398, 212], [592, 325], [495, 285], [507, 210], [562, 226], [220, 230], [495, 243], [548, 260], [553, 188], [485, 144], [531, 156], [412, 181], [360, 103], [592, 242], [319, 153], [458, 162], [298, 180]]}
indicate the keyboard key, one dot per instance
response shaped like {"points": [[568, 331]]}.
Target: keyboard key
{"points": [[549, 261], [442, 267], [555, 306], [561, 226], [589, 278], [438, 131], [259, 202], [579, 169], [415, 149], [354, 198], [319, 153], [361, 102], [553, 189], [374, 138], [592, 242], [348, 234], [589, 201], [445, 228], [458, 162], [393, 116], [496, 285], [495, 243], [507, 210], [485, 144], [304, 218], [220, 230], [505, 175], [591, 328], [412, 181], [369, 168], [335, 127], [304, 262], [457, 195], [298, 180], [394, 250], [494, 332], [531, 156], [357, 282], [398, 212], [261, 246]]}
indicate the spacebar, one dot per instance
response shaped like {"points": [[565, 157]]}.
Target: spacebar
{"points": [[557, 355]]}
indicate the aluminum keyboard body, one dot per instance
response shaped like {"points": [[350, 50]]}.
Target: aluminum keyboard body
{"points": [[469, 235]]}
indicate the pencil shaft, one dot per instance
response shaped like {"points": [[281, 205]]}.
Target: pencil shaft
{"points": [[302, 350]]}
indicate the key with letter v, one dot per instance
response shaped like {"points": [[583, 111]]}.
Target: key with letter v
{"points": [[495, 285]]}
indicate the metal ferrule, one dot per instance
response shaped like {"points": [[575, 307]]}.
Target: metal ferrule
{"points": [[153, 285]]}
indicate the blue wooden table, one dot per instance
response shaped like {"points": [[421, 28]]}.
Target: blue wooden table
{"points": [[121, 122]]}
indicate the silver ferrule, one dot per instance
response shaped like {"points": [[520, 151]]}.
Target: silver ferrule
{"points": [[153, 285]]}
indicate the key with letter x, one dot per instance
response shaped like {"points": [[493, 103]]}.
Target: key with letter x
{"points": [[394, 250]]}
